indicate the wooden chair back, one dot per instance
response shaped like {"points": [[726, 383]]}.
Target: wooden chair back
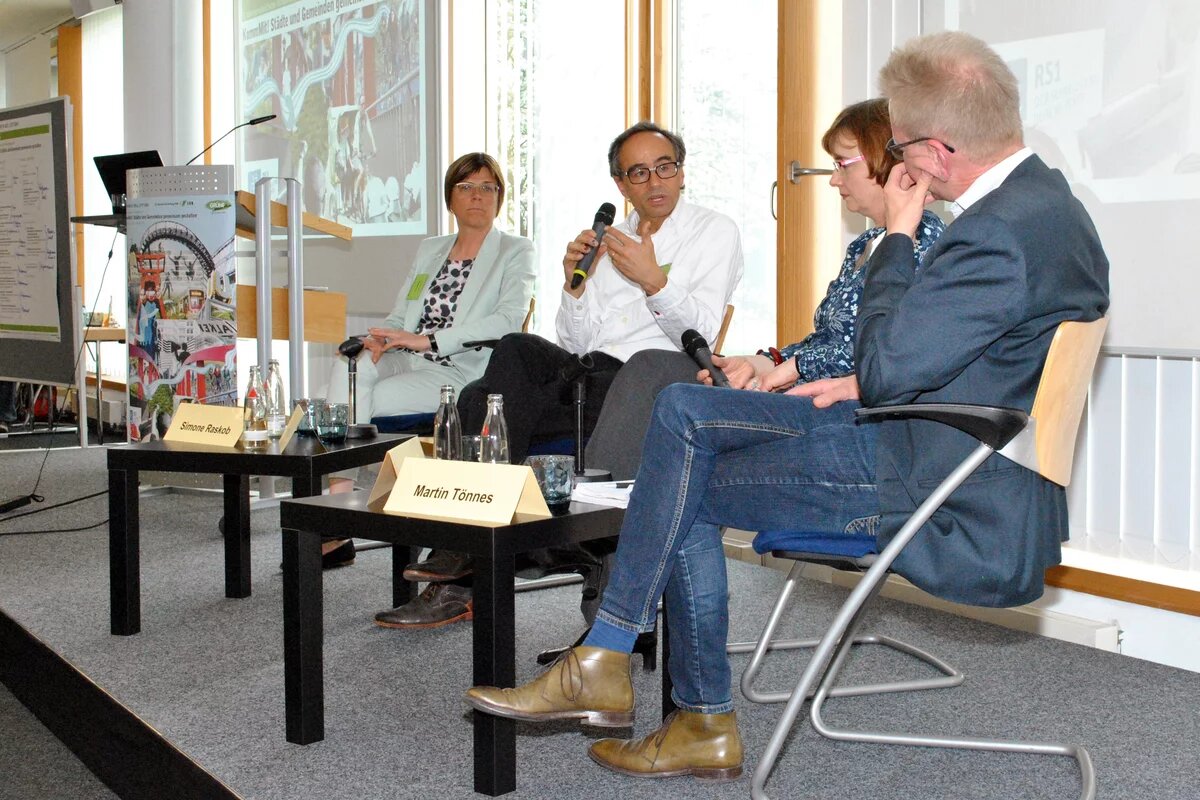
{"points": [[716, 348], [528, 315], [1062, 394]]}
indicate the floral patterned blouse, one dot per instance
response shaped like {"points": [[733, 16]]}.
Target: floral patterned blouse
{"points": [[828, 352]]}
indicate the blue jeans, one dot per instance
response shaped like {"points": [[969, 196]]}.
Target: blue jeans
{"points": [[714, 457]]}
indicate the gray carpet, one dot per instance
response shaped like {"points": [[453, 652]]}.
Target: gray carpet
{"points": [[207, 672], [36, 765]]}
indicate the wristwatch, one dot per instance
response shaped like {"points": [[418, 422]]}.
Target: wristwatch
{"points": [[432, 342]]}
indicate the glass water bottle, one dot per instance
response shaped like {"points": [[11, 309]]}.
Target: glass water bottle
{"points": [[447, 431], [493, 445], [254, 409], [276, 403]]}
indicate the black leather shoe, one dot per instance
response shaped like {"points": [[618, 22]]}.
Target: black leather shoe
{"points": [[340, 556], [440, 604], [442, 565]]}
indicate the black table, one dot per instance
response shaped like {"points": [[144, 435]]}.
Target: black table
{"points": [[493, 645], [305, 461]]}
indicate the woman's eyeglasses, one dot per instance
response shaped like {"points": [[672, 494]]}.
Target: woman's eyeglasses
{"points": [[486, 189], [840, 164]]}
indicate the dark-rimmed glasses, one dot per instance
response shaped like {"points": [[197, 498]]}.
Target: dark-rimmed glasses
{"points": [[667, 169], [896, 149]]}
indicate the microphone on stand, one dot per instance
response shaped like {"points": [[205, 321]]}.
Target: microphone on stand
{"points": [[575, 372], [351, 348], [604, 218], [255, 121], [696, 347]]}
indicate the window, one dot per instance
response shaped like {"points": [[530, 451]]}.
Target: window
{"points": [[103, 112], [549, 126], [725, 106]]}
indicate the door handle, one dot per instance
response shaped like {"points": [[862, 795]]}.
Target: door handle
{"points": [[795, 171], [774, 187]]}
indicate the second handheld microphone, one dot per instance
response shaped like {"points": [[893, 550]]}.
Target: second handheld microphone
{"points": [[604, 218], [695, 346]]}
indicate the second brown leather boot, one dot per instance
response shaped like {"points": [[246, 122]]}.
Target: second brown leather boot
{"points": [[688, 743], [586, 683]]}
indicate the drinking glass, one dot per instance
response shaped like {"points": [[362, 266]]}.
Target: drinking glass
{"points": [[308, 422], [332, 421], [555, 476], [470, 448]]}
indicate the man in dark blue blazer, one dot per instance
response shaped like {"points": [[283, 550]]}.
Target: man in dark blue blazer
{"points": [[975, 323], [972, 324]]}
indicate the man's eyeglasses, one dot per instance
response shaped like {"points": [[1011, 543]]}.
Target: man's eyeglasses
{"points": [[667, 169], [467, 188], [840, 164], [896, 149]]}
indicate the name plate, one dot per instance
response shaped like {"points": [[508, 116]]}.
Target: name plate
{"points": [[464, 491], [386, 479], [289, 430], [194, 423]]}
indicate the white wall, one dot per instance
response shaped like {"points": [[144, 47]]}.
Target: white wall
{"points": [[164, 92], [27, 72]]}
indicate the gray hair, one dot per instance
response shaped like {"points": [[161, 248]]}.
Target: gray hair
{"points": [[954, 87], [645, 126]]}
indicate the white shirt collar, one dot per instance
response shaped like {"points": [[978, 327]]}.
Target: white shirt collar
{"points": [[634, 220], [988, 181]]}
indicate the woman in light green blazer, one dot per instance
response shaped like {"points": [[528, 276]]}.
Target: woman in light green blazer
{"points": [[475, 284], [472, 285]]}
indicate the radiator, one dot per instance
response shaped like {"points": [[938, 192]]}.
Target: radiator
{"points": [[1135, 495]]}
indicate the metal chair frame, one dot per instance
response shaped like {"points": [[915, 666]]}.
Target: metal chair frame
{"points": [[949, 675], [1041, 441]]}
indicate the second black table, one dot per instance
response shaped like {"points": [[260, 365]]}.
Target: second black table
{"points": [[305, 461]]}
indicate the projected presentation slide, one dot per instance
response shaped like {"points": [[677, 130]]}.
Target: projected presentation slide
{"points": [[346, 79], [1110, 95]]}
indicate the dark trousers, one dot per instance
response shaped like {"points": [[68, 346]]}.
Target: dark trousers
{"points": [[539, 404]]}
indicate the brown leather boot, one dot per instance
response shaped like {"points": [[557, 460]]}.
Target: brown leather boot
{"points": [[586, 683], [688, 743]]}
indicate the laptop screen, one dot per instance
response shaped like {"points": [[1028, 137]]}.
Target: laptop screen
{"points": [[112, 172]]}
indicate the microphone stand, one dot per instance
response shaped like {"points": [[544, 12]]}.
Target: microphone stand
{"points": [[255, 121], [577, 373], [351, 348]]}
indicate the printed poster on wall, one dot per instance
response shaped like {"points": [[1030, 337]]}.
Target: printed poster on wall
{"points": [[182, 326]]}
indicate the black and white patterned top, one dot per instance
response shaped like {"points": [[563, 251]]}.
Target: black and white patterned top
{"points": [[441, 300]]}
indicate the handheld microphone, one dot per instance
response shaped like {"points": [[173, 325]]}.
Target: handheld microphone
{"points": [[695, 346], [255, 121], [604, 218]]}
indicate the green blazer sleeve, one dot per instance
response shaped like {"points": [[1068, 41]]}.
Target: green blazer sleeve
{"points": [[496, 298], [493, 302]]}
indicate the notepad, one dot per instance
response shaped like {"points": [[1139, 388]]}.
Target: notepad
{"points": [[603, 493]]}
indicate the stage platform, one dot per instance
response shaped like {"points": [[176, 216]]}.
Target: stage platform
{"points": [[193, 705]]}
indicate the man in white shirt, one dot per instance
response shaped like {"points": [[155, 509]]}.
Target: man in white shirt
{"points": [[668, 267]]}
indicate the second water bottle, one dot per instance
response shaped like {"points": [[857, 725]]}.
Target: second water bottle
{"points": [[493, 445]]}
